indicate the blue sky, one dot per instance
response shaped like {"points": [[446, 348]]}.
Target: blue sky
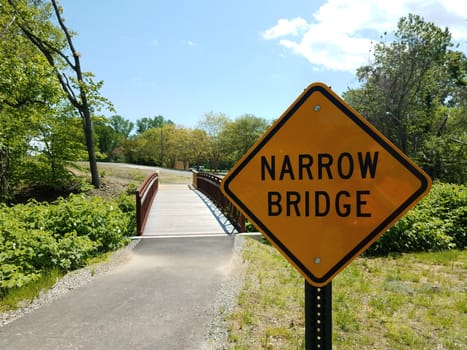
{"points": [[182, 59]]}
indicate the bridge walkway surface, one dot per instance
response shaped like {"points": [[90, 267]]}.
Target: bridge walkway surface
{"points": [[162, 297], [180, 210]]}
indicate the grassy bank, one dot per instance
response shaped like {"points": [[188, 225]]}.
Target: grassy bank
{"points": [[409, 301], [120, 173]]}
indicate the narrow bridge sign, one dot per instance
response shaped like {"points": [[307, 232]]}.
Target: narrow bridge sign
{"points": [[322, 184]]}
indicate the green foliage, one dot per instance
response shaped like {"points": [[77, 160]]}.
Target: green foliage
{"points": [[165, 145], [42, 89], [217, 142], [145, 124], [250, 227], [39, 133], [444, 155], [239, 135], [438, 222], [414, 93], [111, 134], [38, 237]]}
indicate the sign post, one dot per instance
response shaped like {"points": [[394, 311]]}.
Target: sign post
{"points": [[318, 317], [322, 184]]}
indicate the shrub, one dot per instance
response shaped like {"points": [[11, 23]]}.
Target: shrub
{"points": [[38, 237], [438, 222], [103, 222]]}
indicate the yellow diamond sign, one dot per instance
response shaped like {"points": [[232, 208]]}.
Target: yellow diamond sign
{"points": [[322, 184]]}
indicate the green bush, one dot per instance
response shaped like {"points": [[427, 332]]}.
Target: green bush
{"points": [[438, 222], [38, 237], [103, 222]]}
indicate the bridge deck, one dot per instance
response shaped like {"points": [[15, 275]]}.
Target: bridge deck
{"points": [[180, 210]]}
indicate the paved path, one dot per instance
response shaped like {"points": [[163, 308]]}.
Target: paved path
{"points": [[179, 210], [162, 298]]}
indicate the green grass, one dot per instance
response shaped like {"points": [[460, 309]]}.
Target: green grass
{"points": [[409, 301], [137, 176], [16, 297], [26, 294]]}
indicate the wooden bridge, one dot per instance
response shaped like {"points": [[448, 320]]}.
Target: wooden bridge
{"points": [[199, 209]]}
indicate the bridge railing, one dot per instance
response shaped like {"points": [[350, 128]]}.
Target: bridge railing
{"points": [[210, 185], [144, 197]]}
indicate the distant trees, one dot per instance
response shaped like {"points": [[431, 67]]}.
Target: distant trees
{"points": [[240, 134], [144, 124], [213, 124], [111, 134], [415, 93], [228, 140], [217, 141]]}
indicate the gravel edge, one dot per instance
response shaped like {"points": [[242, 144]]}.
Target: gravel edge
{"points": [[71, 281], [226, 301]]}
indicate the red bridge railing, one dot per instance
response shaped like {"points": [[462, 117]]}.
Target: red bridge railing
{"points": [[144, 197], [209, 184]]}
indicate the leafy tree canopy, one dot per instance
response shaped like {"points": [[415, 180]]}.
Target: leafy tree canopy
{"points": [[415, 88]]}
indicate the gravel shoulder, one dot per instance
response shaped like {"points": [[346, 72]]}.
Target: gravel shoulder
{"points": [[226, 301]]}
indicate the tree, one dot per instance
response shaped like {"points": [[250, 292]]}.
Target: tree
{"points": [[121, 125], [145, 123], [111, 134], [198, 146], [59, 144], [409, 81], [56, 44], [239, 135], [105, 137], [444, 155], [399, 89], [213, 124], [29, 91]]}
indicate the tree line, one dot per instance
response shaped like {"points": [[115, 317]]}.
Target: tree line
{"points": [[52, 112], [217, 141]]}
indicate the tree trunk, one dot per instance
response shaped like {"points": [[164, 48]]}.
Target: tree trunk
{"points": [[4, 165], [88, 132]]}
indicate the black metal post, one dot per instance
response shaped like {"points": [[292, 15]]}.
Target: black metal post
{"points": [[318, 317]]}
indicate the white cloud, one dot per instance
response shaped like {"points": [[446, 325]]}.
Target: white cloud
{"points": [[286, 27], [340, 34]]}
